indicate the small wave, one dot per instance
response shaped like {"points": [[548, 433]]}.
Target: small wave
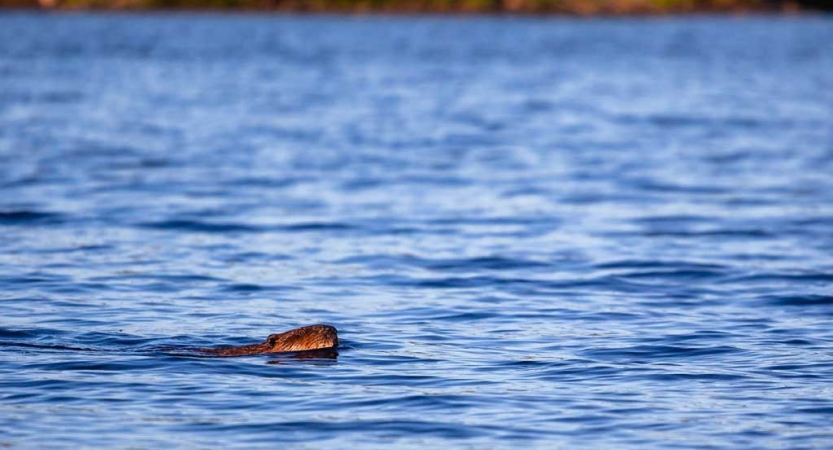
{"points": [[717, 233], [14, 334], [673, 219], [168, 277], [781, 278], [825, 410], [251, 287], [801, 300], [44, 346], [466, 282], [693, 336], [674, 274], [467, 317], [295, 431], [38, 278], [658, 352], [190, 225], [318, 226], [201, 226], [670, 121], [29, 217], [480, 263], [657, 264], [676, 376], [243, 287]]}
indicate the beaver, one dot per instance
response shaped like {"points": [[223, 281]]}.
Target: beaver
{"points": [[312, 337]]}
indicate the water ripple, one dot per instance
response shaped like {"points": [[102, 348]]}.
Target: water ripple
{"points": [[544, 233]]}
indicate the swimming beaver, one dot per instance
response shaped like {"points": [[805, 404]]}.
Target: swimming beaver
{"points": [[313, 337]]}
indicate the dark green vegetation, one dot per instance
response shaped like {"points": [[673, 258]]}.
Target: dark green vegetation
{"points": [[581, 7]]}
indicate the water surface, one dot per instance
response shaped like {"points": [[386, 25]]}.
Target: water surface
{"points": [[549, 233]]}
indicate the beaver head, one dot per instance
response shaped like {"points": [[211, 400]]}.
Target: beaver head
{"points": [[313, 337]]}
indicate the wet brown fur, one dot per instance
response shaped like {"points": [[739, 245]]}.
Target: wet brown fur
{"points": [[312, 337]]}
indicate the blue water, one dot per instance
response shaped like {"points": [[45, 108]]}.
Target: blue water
{"points": [[548, 233]]}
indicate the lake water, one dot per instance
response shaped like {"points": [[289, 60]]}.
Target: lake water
{"points": [[552, 233]]}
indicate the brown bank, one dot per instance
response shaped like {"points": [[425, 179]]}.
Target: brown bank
{"points": [[574, 7]]}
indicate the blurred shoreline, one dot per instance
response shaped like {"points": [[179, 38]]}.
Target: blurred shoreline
{"points": [[435, 7]]}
